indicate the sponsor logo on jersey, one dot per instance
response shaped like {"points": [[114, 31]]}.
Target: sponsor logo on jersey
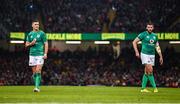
{"points": [[151, 41]]}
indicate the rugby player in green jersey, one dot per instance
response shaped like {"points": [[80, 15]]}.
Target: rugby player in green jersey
{"points": [[37, 42], [149, 41]]}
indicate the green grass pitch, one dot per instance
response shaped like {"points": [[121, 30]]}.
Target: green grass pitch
{"points": [[86, 94]]}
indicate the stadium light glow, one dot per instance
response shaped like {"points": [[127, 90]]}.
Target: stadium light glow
{"points": [[174, 42], [73, 42], [102, 42], [17, 41]]}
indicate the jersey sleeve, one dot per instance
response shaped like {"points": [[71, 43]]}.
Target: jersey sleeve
{"points": [[157, 37], [140, 36], [27, 38], [157, 43], [44, 37]]}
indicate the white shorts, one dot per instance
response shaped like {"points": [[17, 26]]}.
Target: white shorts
{"points": [[147, 59], [36, 60]]}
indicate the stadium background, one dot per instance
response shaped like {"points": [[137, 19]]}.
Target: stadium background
{"points": [[88, 63]]}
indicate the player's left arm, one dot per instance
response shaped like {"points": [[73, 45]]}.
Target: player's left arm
{"points": [[45, 49], [45, 46], [158, 49]]}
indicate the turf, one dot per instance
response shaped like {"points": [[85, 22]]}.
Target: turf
{"points": [[86, 94]]}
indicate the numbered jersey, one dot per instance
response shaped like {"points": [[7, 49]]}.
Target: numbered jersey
{"points": [[38, 48], [149, 41]]}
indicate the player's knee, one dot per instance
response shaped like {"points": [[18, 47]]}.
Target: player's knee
{"points": [[148, 69], [151, 71], [34, 69], [38, 69]]}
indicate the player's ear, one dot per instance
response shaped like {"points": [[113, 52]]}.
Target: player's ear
{"points": [[152, 26], [32, 24]]}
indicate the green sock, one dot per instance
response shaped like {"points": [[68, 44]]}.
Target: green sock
{"points": [[152, 81], [34, 77], [38, 80], [144, 81]]}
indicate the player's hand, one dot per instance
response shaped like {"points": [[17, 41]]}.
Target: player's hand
{"points": [[161, 61], [33, 42], [45, 56], [137, 55]]}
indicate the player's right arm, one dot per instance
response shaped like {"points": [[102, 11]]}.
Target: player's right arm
{"points": [[135, 42], [28, 43], [140, 37]]}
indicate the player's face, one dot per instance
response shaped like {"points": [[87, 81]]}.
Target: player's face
{"points": [[35, 26], [150, 28]]}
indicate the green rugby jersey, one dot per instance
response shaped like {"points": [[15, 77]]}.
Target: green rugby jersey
{"points": [[149, 41], [38, 48]]}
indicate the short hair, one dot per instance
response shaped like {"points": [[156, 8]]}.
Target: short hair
{"points": [[149, 23], [35, 20]]}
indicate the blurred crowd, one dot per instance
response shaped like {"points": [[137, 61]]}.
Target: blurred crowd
{"points": [[132, 15], [90, 67], [74, 15], [88, 15]]}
